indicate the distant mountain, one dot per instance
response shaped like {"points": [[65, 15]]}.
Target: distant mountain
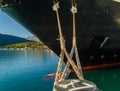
{"points": [[9, 39], [33, 38]]}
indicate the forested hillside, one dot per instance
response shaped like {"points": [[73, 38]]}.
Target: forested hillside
{"points": [[9, 39]]}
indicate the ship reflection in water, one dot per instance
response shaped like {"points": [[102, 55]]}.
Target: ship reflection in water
{"points": [[105, 79], [27, 71]]}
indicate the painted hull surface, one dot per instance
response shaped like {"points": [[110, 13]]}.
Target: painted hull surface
{"points": [[97, 25]]}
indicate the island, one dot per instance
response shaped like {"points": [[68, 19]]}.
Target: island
{"points": [[25, 46]]}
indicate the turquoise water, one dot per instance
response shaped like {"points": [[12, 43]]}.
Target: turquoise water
{"points": [[106, 80], [27, 71]]}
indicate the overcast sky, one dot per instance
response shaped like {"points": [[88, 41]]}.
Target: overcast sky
{"points": [[9, 26]]}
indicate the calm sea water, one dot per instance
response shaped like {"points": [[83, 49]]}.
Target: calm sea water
{"points": [[27, 71]]}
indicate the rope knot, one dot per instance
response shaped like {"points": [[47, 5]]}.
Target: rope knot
{"points": [[74, 9], [56, 6]]}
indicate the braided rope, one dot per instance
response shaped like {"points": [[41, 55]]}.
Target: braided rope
{"points": [[64, 52], [74, 47]]}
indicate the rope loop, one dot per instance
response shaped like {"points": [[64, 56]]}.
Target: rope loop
{"points": [[56, 6], [74, 9]]}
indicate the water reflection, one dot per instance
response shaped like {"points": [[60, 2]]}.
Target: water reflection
{"points": [[105, 79], [25, 70], [28, 71]]}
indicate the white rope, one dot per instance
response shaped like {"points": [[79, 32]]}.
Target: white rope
{"points": [[67, 66], [74, 47], [62, 44], [74, 9], [56, 6], [64, 52], [58, 73]]}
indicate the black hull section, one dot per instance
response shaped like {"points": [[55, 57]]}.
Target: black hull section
{"points": [[96, 20], [99, 56]]}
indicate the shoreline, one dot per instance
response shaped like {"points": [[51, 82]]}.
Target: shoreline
{"points": [[27, 48]]}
